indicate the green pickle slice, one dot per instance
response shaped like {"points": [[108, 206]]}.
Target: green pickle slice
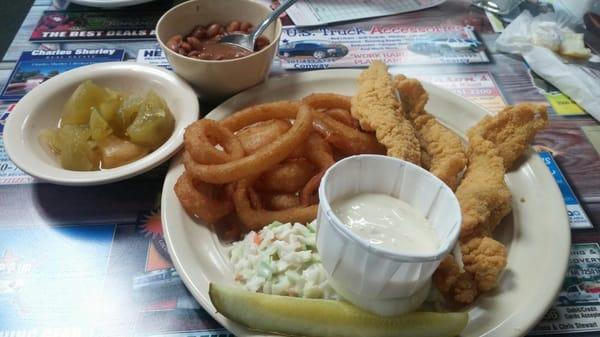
{"points": [[153, 123], [128, 111], [77, 151], [103, 128], [316, 317], [99, 127], [78, 108]]}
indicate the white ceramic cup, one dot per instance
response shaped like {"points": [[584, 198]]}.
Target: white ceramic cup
{"points": [[374, 278], [217, 80]]}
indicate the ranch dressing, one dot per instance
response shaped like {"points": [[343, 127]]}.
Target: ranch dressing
{"points": [[387, 222]]}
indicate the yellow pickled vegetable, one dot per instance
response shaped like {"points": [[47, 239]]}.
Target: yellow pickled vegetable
{"points": [[153, 124], [128, 111], [78, 108], [77, 152], [109, 106], [116, 152], [49, 138], [99, 127], [103, 128]]}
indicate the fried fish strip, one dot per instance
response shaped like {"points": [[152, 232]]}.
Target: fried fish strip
{"points": [[377, 109], [454, 283], [484, 258], [484, 200], [442, 151], [495, 143], [483, 195], [412, 94], [512, 129]]}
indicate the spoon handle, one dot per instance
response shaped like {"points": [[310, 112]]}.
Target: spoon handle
{"points": [[274, 15]]}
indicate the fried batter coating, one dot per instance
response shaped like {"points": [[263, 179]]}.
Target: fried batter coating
{"points": [[485, 259], [456, 285], [483, 195], [442, 147], [442, 151], [377, 109], [412, 94], [512, 129]]}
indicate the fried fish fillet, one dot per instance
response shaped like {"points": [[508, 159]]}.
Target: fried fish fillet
{"points": [[442, 151], [483, 195], [377, 109], [454, 283], [484, 258], [412, 95], [512, 129], [495, 144]]}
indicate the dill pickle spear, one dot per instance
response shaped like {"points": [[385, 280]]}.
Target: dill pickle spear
{"points": [[323, 318]]}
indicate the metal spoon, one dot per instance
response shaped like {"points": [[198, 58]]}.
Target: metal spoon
{"points": [[247, 41]]}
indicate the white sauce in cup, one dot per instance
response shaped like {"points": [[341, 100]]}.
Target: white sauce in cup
{"points": [[387, 222]]}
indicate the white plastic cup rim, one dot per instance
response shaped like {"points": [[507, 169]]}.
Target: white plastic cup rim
{"points": [[447, 243]]}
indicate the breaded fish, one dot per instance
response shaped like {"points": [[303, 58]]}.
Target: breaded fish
{"points": [[377, 109], [412, 95], [483, 195], [484, 258], [442, 151], [512, 129]]}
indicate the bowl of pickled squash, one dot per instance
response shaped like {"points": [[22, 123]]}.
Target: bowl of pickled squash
{"points": [[100, 123]]}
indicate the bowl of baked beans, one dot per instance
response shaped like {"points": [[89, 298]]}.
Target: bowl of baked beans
{"points": [[189, 34]]}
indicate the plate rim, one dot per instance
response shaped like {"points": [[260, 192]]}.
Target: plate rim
{"points": [[519, 326]]}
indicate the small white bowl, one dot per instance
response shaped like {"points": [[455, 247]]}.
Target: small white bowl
{"points": [[377, 279], [41, 109], [217, 80]]}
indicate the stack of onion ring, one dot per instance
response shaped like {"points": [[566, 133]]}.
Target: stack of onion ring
{"points": [[265, 162]]}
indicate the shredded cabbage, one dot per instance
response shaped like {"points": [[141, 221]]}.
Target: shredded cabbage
{"points": [[281, 259]]}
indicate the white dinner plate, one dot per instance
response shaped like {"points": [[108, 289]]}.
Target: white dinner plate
{"points": [[109, 3], [536, 233]]}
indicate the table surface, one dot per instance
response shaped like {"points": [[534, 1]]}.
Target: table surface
{"points": [[93, 262]]}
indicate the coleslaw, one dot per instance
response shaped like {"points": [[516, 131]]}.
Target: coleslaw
{"points": [[281, 259]]}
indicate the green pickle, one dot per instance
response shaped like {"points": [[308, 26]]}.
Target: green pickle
{"points": [[78, 108], [103, 128], [99, 127], [295, 316], [49, 138], [77, 151], [153, 124], [128, 111], [109, 107]]}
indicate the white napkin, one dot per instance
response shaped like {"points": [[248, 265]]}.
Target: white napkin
{"points": [[573, 80]]}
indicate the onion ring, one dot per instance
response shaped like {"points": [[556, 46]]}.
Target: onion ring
{"points": [[345, 138], [281, 201], [342, 116], [319, 152], [257, 135], [205, 201], [255, 219], [287, 177], [201, 137], [348, 139], [263, 158], [328, 101], [260, 113], [308, 195]]}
